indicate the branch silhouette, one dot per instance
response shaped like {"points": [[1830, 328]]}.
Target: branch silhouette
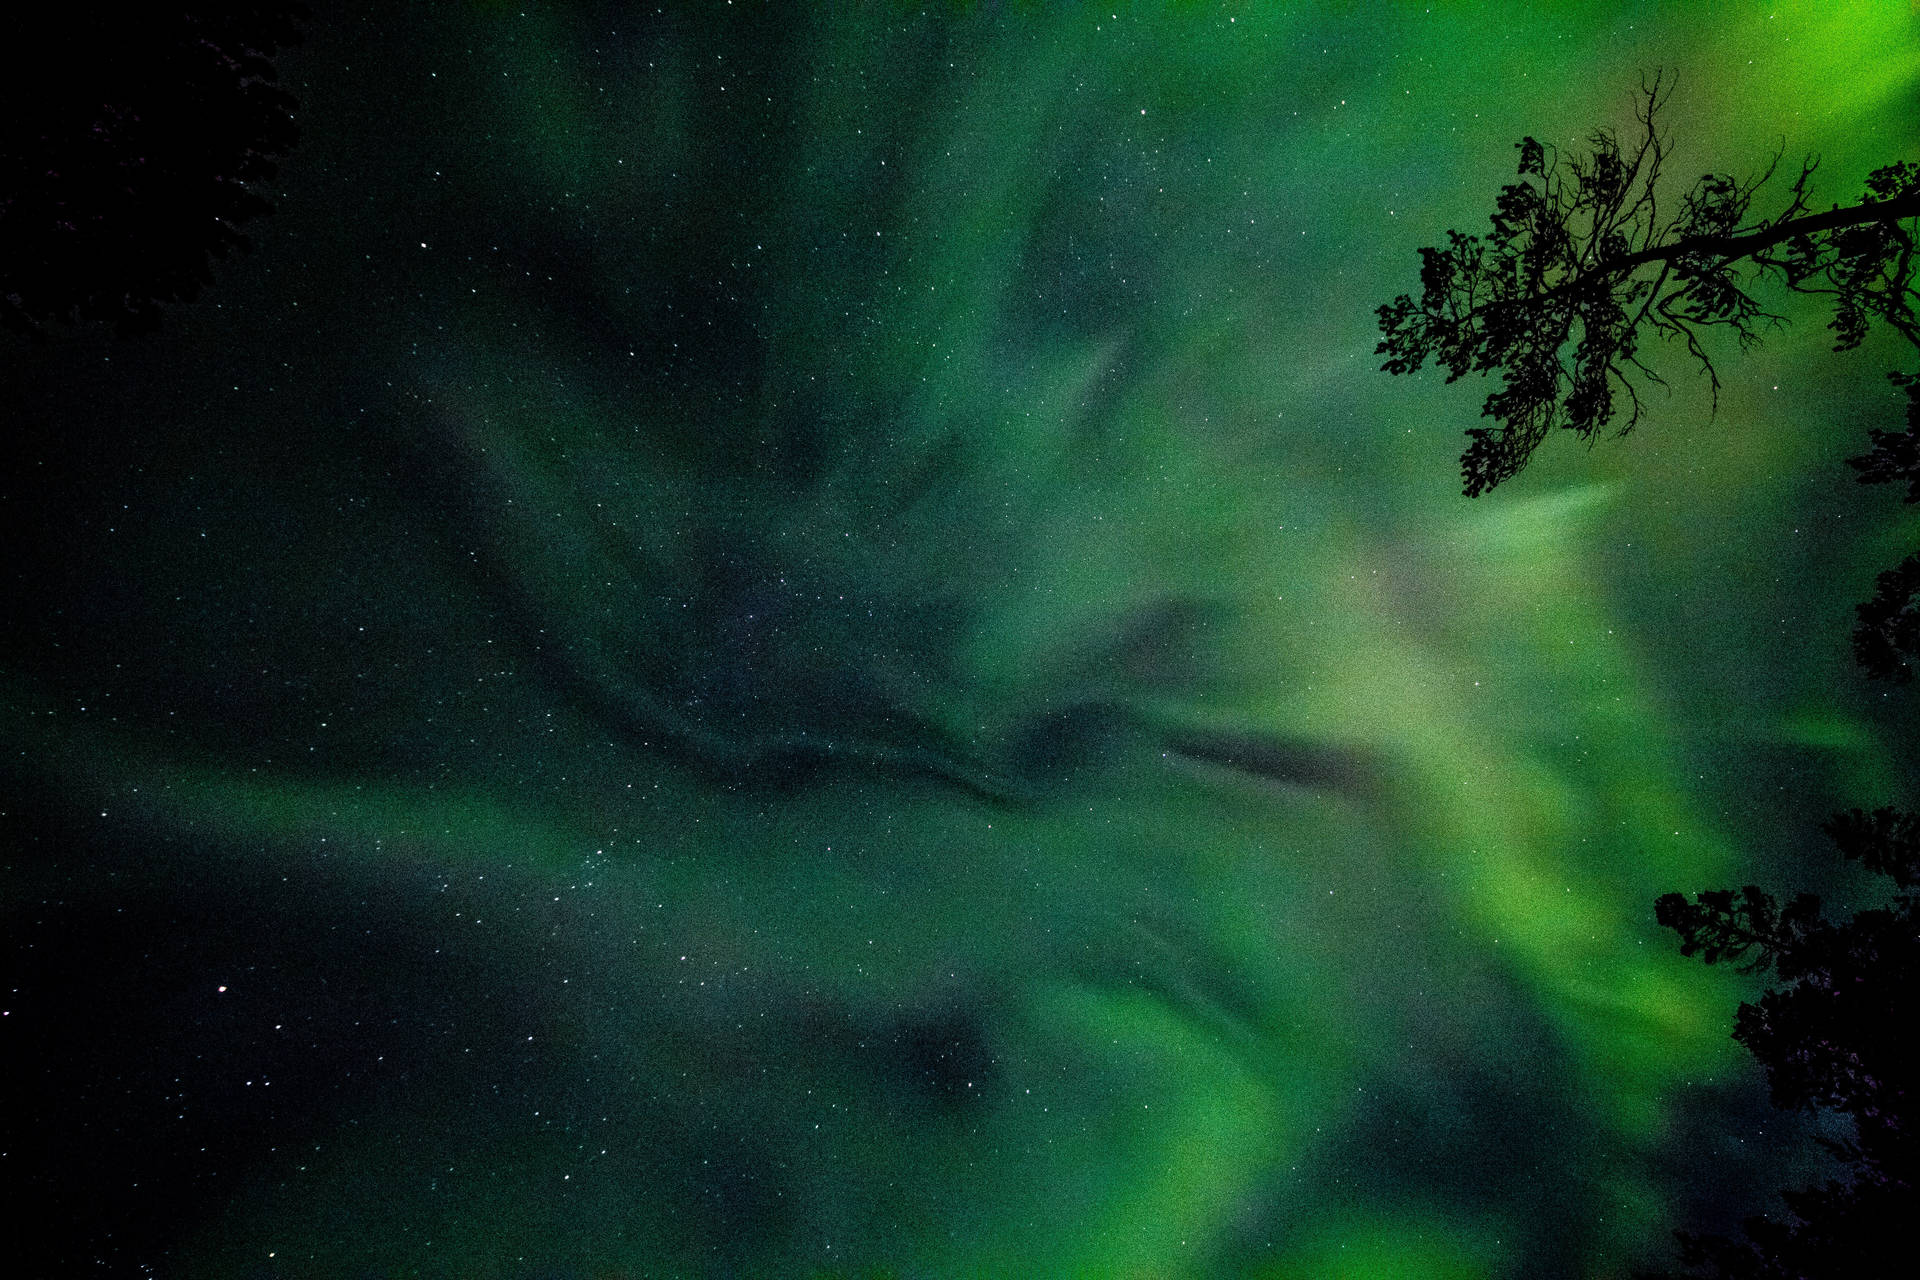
{"points": [[1580, 265], [1581, 261], [1833, 1036]]}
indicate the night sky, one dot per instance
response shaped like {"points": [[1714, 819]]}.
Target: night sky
{"points": [[784, 640]]}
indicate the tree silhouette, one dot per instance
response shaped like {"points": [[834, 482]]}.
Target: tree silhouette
{"points": [[1580, 265], [1835, 1036], [1887, 640], [132, 142], [1581, 261]]}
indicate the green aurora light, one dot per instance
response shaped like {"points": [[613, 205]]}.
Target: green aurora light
{"points": [[825, 614]]}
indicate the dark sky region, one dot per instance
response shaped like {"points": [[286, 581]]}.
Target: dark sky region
{"points": [[784, 640]]}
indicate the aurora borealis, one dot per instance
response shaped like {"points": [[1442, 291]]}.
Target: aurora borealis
{"points": [[803, 640]]}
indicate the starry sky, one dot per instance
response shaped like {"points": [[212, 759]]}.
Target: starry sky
{"points": [[804, 640]]}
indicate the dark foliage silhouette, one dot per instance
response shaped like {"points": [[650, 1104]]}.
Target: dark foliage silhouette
{"points": [[1583, 261], [1581, 264], [133, 142], [1887, 640], [1835, 1035]]}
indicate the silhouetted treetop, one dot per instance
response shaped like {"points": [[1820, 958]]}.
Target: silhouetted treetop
{"points": [[1896, 456], [1587, 253], [133, 140], [1835, 1036], [1886, 641]]}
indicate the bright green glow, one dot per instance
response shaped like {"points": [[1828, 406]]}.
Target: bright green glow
{"points": [[1081, 325]]}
